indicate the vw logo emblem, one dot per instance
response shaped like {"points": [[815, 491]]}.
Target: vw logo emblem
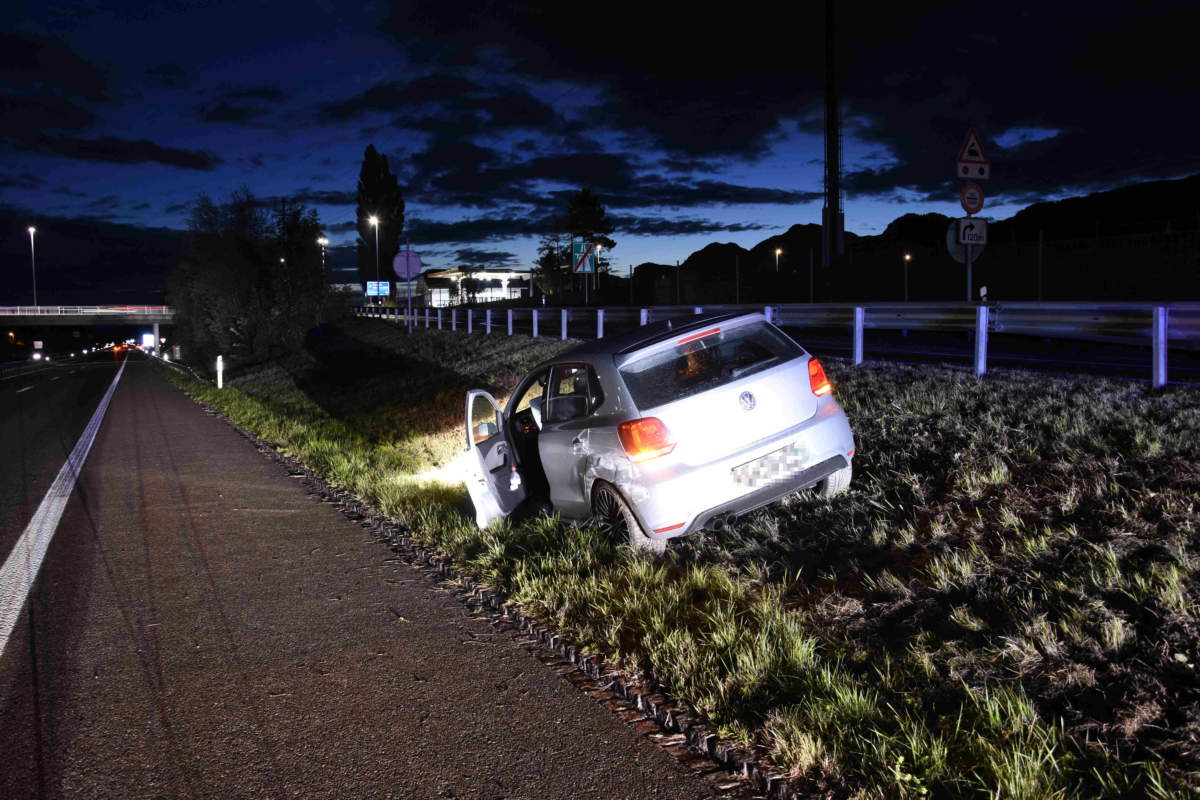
{"points": [[747, 400]]}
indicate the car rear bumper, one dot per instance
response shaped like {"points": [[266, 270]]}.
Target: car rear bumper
{"points": [[769, 494]]}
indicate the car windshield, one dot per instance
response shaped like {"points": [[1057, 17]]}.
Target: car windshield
{"points": [[704, 363]]}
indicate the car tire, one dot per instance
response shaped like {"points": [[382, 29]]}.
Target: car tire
{"points": [[835, 483], [611, 513]]}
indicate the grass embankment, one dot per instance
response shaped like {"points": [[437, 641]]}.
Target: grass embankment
{"points": [[1004, 605]]}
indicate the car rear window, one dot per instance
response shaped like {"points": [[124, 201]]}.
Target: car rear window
{"points": [[698, 364]]}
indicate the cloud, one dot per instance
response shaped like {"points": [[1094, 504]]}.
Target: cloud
{"points": [[228, 112], [231, 106], [121, 151], [489, 257], [659, 226], [43, 66], [25, 180], [171, 76]]}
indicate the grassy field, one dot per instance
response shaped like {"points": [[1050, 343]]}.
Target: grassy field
{"points": [[1004, 605]]}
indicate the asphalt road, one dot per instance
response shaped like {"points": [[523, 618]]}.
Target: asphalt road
{"points": [[201, 627]]}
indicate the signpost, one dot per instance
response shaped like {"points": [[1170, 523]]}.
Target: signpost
{"points": [[407, 265], [971, 198], [583, 262], [378, 288], [966, 237]]}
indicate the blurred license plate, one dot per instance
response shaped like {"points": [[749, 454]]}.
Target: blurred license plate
{"points": [[771, 468]]}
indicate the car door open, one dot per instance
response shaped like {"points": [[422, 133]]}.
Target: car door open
{"points": [[495, 485]]}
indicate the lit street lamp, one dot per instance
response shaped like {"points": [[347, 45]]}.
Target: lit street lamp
{"points": [[778, 252], [907, 258], [33, 263], [322, 241], [375, 224]]}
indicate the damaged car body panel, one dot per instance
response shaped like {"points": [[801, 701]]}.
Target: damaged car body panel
{"points": [[665, 430]]}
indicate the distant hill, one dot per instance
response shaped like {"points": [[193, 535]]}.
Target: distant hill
{"points": [[1135, 242]]}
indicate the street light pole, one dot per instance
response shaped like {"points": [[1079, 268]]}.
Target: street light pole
{"points": [[778, 251], [33, 263], [322, 241], [375, 224], [907, 258]]}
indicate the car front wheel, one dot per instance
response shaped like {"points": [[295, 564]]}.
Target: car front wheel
{"points": [[613, 515]]}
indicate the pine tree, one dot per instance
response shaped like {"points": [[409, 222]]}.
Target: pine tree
{"points": [[379, 196]]}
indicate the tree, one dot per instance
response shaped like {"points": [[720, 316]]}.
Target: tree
{"points": [[585, 220], [551, 270], [379, 196], [250, 286]]}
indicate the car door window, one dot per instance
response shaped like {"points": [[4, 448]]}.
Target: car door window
{"points": [[534, 390], [572, 392]]}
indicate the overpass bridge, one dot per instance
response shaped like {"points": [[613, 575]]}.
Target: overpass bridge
{"points": [[75, 316]]}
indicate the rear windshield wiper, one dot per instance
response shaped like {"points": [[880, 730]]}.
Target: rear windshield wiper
{"points": [[740, 371]]}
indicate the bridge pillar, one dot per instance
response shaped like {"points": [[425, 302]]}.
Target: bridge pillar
{"points": [[157, 341]]}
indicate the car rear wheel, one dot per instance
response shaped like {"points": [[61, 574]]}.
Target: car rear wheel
{"points": [[613, 515], [836, 483]]}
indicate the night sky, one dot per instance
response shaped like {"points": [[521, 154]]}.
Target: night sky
{"points": [[692, 126]]}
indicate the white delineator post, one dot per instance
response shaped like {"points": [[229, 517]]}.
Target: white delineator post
{"points": [[981, 334], [860, 315], [220, 372], [535, 323], [600, 323], [644, 316], [510, 315], [487, 322], [564, 323], [1158, 332]]}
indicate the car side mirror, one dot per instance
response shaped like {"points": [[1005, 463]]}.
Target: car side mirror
{"points": [[484, 431]]}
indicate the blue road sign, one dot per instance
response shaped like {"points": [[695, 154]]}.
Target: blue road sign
{"points": [[583, 257]]}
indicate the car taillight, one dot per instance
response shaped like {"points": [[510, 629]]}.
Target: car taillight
{"points": [[816, 378], [645, 438]]}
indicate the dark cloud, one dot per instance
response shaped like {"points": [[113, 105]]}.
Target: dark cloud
{"points": [[341, 227], [27, 116], [241, 106], [230, 113], [492, 258], [176, 208], [273, 94], [42, 66], [657, 226], [171, 76], [447, 106], [140, 207], [704, 89], [121, 151], [107, 203], [25, 180]]}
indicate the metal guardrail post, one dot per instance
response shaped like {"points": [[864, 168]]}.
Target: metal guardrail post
{"points": [[470, 320], [427, 318], [1158, 332], [860, 315], [487, 322], [644, 316], [699, 310], [220, 372], [564, 323], [439, 319], [769, 313], [535, 322], [981, 336], [599, 323], [510, 316], [454, 319]]}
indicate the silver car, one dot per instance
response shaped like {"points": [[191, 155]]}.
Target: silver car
{"points": [[662, 431]]}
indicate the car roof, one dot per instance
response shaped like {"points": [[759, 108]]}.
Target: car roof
{"points": [[642, 336]]}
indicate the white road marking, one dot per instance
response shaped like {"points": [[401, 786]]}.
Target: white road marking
{"points": [[26, 389], [21, 567], [56, 377]]}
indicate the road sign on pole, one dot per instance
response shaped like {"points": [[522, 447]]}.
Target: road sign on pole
{"points": [[972, 230], [972, 161], [971, 197], [583, 257], [958, 250]]}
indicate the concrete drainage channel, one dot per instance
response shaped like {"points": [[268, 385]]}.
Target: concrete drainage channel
{"points": [[733, 771]]}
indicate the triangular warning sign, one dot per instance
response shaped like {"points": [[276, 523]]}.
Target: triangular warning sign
{"points": [[972, 149]]}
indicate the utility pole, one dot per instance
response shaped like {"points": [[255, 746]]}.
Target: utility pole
{"points": [[832, 219]]}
